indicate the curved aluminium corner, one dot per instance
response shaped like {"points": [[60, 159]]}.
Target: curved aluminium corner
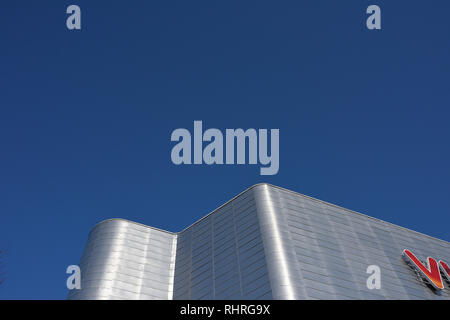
{"points": [[266, 243], [125, 260]]}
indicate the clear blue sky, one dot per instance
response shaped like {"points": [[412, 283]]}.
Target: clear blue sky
{"points": [[86, 116]]}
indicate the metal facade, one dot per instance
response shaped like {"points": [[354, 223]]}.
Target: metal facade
{"points": [[126, 260], [266, 243]]}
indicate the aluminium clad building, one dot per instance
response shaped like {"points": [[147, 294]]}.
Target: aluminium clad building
{"points": [[266, 243]]}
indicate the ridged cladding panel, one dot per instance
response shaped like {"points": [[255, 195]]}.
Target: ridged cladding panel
{"points": [[329, 248], [266, 243], [125, 260], [222, 256]]}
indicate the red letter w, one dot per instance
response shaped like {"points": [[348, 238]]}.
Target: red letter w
{"points": [[430, 272]]}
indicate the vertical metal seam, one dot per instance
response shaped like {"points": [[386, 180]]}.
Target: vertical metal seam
{"points": [[172, 272], [237, 250], [212, 258], [190, 264], [291, 241]]}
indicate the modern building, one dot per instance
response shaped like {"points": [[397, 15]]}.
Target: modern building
{"points": [[266, 243]]}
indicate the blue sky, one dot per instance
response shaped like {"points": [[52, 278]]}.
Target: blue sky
{"points": [[86, 116]]}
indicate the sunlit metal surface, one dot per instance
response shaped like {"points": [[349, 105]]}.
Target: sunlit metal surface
{"points": [[266, 243]]}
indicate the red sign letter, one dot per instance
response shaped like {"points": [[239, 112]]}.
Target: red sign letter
{"points": [[429, 272]]}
